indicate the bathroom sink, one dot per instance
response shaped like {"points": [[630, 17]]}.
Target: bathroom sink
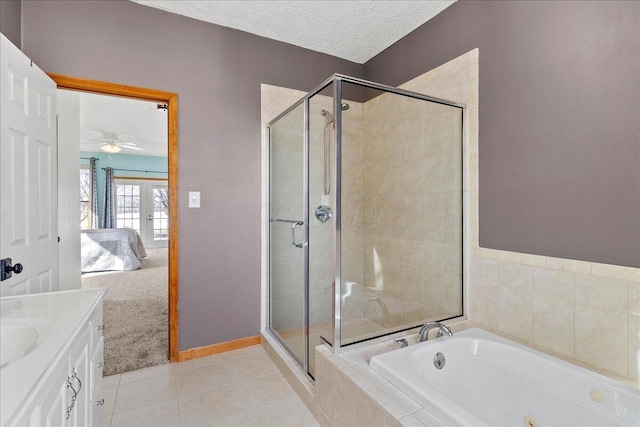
{"points": [[18, 337]]}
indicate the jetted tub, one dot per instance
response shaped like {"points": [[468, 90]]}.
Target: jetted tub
{"points": [[487, 380]]}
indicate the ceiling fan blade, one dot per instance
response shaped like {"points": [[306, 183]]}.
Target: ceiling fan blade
{"points": [[131, 148]]}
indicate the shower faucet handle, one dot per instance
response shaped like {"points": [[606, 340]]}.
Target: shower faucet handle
{"points": [[323, 213]]}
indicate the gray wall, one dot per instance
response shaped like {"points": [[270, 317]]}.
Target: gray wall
{"points": [[217, 74], [559, 128], [559, 120], [10, 19]]}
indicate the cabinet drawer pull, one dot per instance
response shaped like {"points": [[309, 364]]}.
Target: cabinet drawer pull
{"points": [[100, 402], [75, 375], [100, 327], [73, 398]]}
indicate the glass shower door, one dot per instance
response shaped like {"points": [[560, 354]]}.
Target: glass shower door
{"points": [[287, 232]]}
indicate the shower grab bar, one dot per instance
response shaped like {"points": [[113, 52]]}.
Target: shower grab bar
{"points": [[294, 224]]}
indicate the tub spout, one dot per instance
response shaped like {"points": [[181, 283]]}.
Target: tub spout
{"points": [[423, 335], [386, 314]]}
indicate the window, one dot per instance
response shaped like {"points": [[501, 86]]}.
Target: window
{"points": [[128, 206], [85, 197], [143, 204]]}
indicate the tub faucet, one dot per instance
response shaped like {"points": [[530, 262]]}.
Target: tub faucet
{"points": [[423, 335]]}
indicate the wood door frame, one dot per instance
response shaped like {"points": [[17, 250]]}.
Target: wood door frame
{"points": [[170, 98]]}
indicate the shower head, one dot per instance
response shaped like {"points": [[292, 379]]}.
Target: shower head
{"points": [[344, 107], [327, 114]]}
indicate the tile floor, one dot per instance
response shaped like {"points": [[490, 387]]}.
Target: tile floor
{"points": [[237, 388]]}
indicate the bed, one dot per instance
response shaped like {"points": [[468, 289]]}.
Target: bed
{"points": [[111, 249]]}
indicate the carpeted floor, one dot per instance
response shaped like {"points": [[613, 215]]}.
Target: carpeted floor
{"points": [[135, 314]]}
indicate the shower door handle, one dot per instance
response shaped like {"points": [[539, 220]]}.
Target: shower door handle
{"points": [[293, 234]]}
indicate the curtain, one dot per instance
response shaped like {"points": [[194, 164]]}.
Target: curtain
{"points": [[93, 195], [108, 220]]}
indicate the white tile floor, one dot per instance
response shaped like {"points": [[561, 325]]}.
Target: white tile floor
{"points": [[237, 388]]}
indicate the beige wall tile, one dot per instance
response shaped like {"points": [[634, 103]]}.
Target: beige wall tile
{"points": [[421, 418], [391, 421], [634, 296], [344, 400], [554, 283], [601, 338], [393, 400], [602, 292], [571, 265], [515, 313], [483, 271], [633, 323], [630, 274], [324, 385], [515, 276], [368, 413], [482, 305], [493, 254], [527, 259], [553, 324], [364, 377], [435, 288]]}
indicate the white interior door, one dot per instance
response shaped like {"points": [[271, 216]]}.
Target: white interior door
{"points": [[143, 205], [28, 175]]}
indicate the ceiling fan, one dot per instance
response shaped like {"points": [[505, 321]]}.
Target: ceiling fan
{"points": [[111, 143]]}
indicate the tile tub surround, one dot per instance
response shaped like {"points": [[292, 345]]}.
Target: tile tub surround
{"points": [[348, 393], [587, 311]]}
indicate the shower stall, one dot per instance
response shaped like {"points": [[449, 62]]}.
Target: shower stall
{"points": [[365, 215]]}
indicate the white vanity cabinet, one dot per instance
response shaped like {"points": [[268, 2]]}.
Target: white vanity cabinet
{"points": [[69, 391]]}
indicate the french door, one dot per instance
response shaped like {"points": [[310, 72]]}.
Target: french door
{"points": [[143, 205]]}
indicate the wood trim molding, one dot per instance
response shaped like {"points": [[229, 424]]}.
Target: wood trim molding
{"points": [[209, 350], [113, 89]]}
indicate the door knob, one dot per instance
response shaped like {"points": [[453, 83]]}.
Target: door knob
{"points": [[15, 268], [6, 269]]}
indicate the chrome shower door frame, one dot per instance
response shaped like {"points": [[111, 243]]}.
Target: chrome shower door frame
{"points": [[304, 245], [336, 200]]}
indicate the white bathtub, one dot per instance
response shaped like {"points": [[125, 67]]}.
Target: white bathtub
{"points": [[488, 380]]}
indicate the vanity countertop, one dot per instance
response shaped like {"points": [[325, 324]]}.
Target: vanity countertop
{"points": [[57, 316]]}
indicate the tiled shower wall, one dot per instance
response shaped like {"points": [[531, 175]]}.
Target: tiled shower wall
{"points": [[412, 205], [588, 311]]}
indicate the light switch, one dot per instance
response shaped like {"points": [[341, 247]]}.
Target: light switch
{"points": [[194, 199]]}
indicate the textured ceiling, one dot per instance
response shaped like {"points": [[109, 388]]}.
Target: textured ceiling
{"points": [[352, 30], [138, 125]]}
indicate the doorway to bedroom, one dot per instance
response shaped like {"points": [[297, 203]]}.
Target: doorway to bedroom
{"points": [[126, 150]]}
